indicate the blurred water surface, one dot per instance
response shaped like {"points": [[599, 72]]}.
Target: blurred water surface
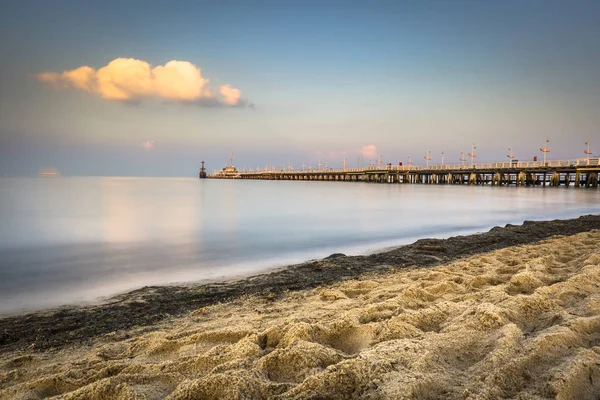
{"points": [[73, 240]]}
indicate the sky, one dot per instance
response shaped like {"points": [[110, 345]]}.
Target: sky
{"points": [[152, 88]]}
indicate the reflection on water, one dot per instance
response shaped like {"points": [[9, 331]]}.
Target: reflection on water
{"points": [[69, 240], [130, 212]]}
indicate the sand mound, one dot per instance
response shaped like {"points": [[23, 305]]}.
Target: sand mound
{"points": [[521, 322]]}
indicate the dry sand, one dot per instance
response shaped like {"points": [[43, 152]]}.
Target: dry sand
{"points": [[520, 322]]}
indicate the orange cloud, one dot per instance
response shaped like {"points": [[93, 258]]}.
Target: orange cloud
{"points": [[81, 78], [128, 79], [231, 96], [125, 79], [369, 151]]}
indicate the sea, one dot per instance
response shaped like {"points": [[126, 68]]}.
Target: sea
{"points": [[80, 240]]}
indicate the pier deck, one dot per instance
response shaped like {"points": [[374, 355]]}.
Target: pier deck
{"points": [[579, 173]]}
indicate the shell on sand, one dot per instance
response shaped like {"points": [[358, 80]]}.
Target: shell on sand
{"points": [[521, 322]]}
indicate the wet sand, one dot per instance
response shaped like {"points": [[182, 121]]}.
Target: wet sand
{"points": [[511, 313]]}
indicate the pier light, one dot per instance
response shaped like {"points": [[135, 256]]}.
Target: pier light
{"points": [[472, 153], [409, 161], [380, 161], [462, 157], [510, 154], [428, 157], [545, 149], [442, 158], [344, 164], [319, 165], [587, 151]]}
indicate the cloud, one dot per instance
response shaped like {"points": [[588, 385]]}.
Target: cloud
{"points": [[131, 80], [80, 78], [148, 144], [230, 95], [369, 151]]}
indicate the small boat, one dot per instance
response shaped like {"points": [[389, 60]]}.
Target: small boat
{"points": [[48, 173]]}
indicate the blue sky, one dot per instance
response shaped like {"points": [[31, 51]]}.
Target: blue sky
{"points": [[326, 79]]}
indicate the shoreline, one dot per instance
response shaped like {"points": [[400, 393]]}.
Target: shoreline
{"points": [[270, 265], [148, 306]]}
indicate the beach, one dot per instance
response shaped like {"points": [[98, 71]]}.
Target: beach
{"points": [[509, 313], [299, 200]]}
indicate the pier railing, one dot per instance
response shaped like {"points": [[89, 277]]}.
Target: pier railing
{"points": [[445, 167]]}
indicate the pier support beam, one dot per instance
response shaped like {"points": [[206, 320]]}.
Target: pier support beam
{"points": [[529, 179], [555, 179], [473, 178], [498, 179], [592, 180]]}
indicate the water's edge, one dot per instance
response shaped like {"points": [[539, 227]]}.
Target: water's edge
{"points": [[150, 305]]}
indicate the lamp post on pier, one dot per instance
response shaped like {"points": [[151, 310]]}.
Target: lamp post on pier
{"points": [[545, 149], [462, 157], [472, 153], [428, 157], [510, 155], [587, 151], [409, 161], [442, 158]]}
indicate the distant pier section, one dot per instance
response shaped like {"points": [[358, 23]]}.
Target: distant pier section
{"points": [[578, 173]]}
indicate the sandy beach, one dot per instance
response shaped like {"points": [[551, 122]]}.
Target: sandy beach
{"points": [[510, 313]]}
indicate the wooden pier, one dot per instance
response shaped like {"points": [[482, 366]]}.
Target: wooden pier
{"points": [[579, 173]]}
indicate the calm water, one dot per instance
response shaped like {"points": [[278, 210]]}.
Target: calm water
{"points": [[73, 240]]}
